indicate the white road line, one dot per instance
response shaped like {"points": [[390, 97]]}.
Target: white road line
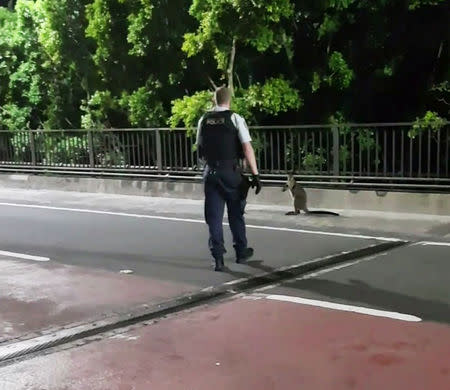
{"points": [[156, 217], [23, 256], [348, 308], [433, 243], [346, 235]]}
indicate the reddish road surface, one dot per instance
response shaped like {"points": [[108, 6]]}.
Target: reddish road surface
{"points": [[251, 344]]}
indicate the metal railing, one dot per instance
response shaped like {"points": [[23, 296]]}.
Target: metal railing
{"points": [[374, 153]]}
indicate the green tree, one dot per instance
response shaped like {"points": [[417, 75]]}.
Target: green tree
{"points": [[225, 29]]}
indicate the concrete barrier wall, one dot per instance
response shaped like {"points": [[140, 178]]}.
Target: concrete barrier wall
{"points": [[403, 202]]}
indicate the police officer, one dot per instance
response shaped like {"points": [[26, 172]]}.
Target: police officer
{"points": [[223, 140]]}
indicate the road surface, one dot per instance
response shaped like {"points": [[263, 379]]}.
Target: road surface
{"points": [[374, 322]]}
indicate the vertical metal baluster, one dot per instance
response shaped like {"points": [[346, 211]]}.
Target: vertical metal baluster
{"points": [[353, 151], [402, 158], [177, 154], [368, 160], [278, 150], [180, 159], [360, 155], [8, 150], [121, 147], [138, 150], [260, 150], [306, 146], [306, 142], [321, 150], [49, 151], [393, 152], [126, 144], [438, 157], [175, 151], [149, 154], [420, 155], [164, 149], [90, 145], [191, 148], [313, 136], [429, 153], [376, 151], [385, 154], [447, 160], [271, 151], [135, 160], [181, 150], [177, 145], [127, 148], [169, 149], [142, 149], [265, 149], [285, 148], [11, 152], [410, 157], [299, 143], [186, 151], [73, 147], [106, 140], [344, 156]]}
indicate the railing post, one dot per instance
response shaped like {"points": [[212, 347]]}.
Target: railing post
{"points": [[158, 150], [33, 149], [335, 151], [91, 149]]}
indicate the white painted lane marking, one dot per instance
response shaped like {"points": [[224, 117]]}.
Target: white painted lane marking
{"points": [[23, 256], [156, 217], [346, 235], [348, 308], [433, 243]]}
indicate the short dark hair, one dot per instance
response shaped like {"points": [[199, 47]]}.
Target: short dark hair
{"points": [[222, 95]]}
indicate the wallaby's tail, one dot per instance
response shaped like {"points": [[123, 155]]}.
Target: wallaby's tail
{"points": [[322, 212]]}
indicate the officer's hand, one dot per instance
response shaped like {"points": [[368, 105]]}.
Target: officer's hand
{"points": [[256, 182]]}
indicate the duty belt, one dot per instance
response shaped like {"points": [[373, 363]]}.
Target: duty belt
{"points": [[223, 163]]}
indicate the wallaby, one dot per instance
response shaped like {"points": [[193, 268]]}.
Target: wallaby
{"points": [[298, 194]]}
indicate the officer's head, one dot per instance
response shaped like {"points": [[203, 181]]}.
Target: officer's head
{"points": [[222, 96]]}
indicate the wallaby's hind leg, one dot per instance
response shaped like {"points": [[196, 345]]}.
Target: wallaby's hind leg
{"points": [[293, 212]]}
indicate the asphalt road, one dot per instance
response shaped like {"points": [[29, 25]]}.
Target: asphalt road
{"points": [[413, 280], [161, 248], [345, 326]]}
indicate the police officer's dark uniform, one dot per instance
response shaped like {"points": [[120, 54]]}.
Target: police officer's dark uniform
{"points": [[221, 147]]}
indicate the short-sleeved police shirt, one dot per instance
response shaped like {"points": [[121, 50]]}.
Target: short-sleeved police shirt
{"points": [[239, 122]]}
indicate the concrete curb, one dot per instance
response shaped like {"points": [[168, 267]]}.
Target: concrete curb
{"points": [[21, 349], [330, 199]]}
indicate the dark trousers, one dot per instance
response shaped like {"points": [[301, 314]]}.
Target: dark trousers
{"points": [[222, 187]]}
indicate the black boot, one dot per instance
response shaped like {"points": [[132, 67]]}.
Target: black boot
{"points": [[243, 256], [219, 264]]}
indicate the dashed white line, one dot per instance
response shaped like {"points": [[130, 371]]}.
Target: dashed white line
{"points": [[23, 256], [348, 308], [157, 217], [433, 243]]}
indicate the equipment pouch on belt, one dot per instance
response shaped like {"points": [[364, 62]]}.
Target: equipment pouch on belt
{"points": [[244, 187]]}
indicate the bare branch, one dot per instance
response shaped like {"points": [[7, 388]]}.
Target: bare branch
{"points": [[238, 80], [230, 70], [212, 83]]}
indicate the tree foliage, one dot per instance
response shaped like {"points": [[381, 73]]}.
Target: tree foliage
{"points": [[135, 63]]}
